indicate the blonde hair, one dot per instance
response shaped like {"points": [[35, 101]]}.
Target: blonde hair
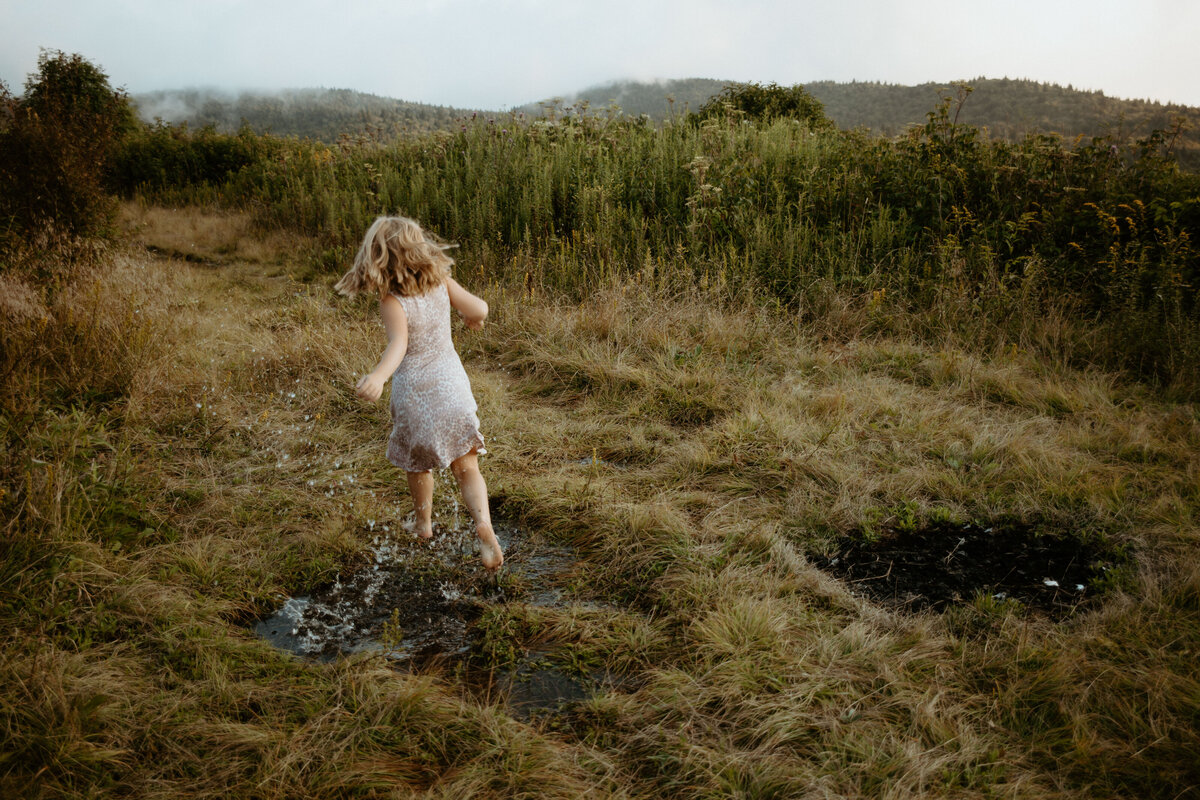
{"points": [[397, 257]]}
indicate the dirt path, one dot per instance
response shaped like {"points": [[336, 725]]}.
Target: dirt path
{"points": [[274, 384]]}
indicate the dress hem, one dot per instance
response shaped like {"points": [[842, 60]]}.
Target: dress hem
{"points": [[395, 460]]}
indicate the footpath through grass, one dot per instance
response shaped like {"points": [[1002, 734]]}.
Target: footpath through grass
{"points": [[182, 448]]}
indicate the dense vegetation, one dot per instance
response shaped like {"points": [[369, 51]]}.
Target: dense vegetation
{"points": [[941, 221], [1011, 109], [1007, 109]]}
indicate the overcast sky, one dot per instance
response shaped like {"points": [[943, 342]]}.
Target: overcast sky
{"points": [[496, 54]]}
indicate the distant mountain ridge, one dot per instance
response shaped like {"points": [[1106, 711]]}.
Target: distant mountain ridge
{"points": [[1007, 108]]}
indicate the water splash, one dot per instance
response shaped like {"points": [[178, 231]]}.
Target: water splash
{"points": [[411, 598]]}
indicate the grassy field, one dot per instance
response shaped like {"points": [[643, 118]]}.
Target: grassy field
{"points": [[182, 448], [945, 227]]}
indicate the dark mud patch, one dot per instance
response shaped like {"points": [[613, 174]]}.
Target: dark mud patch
{"points": [[417, 604], [534, 687], [946, 564]]}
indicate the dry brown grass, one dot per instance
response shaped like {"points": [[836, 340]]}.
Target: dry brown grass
{"points": [[694, 451], [211, 236]]}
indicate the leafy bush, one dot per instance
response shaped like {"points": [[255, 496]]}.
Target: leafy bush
{"points": [[161, 156], [54, 144], [761, 103]]}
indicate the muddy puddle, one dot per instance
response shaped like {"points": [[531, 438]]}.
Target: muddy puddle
{"points": [[416, 603], [946, 564], [535, 687]]}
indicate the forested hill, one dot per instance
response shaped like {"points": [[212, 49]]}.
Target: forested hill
{"points": [[1008, 108], [657, 99], [323, 114]]}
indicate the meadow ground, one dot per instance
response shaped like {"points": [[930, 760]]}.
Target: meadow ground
{"points": [[182, 449]]}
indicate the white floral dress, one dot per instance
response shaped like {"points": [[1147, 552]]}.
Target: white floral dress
{"points": [[433, 410]]}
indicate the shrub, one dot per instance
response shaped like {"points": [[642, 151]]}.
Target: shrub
{"points": [[54, 144], [766, 103], [161, 156]]}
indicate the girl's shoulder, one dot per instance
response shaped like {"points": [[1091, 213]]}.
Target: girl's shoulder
{"points": [[432, 295], [437, 287]]}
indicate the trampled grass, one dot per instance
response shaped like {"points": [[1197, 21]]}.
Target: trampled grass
{"points": [[182, 448]]}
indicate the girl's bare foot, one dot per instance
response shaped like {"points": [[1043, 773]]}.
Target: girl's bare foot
{"points": [[489, 548], [424, 531]]}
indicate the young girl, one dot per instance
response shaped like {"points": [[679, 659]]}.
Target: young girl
{"points": [[433, 410]]}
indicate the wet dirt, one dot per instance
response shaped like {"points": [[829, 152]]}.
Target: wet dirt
{"points": [[416, 603], [945, 564], [534, 688]]}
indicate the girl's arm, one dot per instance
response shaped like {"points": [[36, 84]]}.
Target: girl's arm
{"points": [[370, 386], [472, 309]]}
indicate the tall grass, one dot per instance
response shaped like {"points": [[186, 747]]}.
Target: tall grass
{"points": [[569, 204]]}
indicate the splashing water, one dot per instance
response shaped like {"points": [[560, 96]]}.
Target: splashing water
{"points": [[430, 590]]}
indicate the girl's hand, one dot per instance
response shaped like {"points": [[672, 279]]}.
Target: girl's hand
{"points": [[369, 387]]}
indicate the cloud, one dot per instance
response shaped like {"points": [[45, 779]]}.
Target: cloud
{"points": [[500, 53]]}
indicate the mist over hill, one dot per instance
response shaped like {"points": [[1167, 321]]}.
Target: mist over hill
{"points": [[323, 114], [656, 99]]}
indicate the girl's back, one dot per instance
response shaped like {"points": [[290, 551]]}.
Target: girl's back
{"points": [[433, 410], [428, 317]]}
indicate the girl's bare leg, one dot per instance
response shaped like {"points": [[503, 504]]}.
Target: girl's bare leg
{"points": [[420, 486], [474, 492]]}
